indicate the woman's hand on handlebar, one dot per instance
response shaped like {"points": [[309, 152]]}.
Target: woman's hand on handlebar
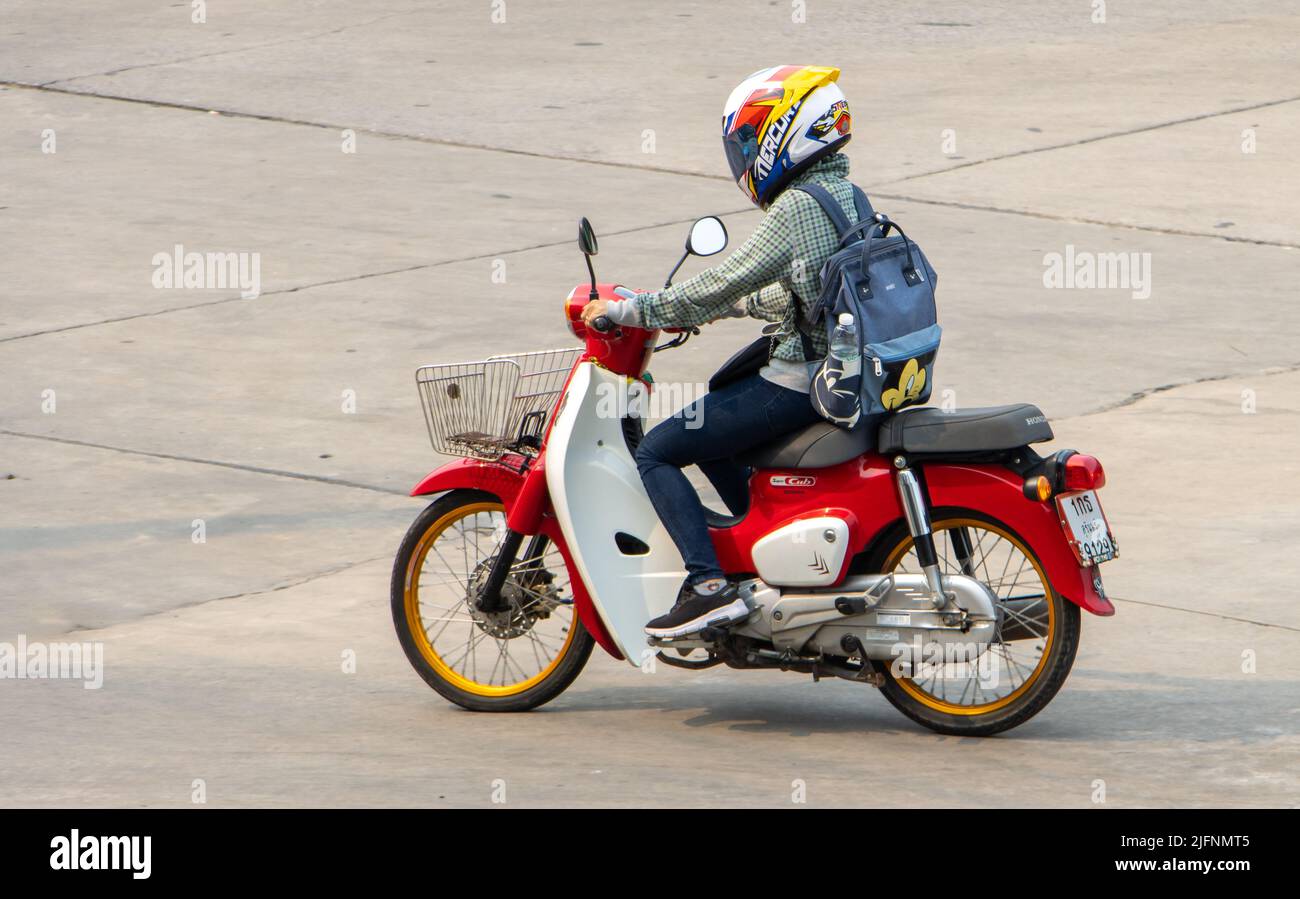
{"points": [[593, 315], [593, 309]]}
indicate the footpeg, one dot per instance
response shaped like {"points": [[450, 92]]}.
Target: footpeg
{"points": [[850, 605], [856, 605], [709, 634]]}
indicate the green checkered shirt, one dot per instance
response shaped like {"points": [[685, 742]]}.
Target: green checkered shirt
{"points": [[777, 268]]}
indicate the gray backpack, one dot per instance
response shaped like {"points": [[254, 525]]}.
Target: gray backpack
{"points": [[887, 284]]}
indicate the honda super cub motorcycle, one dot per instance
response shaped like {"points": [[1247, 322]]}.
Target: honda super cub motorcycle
{"points": [[939, 559]]}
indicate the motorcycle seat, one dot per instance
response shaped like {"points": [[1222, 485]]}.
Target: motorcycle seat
{"points": [[817, 446], [926, 429]]}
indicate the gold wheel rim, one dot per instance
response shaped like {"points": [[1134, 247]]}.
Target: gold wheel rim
{"points": [[939, 704], [468, 678]]}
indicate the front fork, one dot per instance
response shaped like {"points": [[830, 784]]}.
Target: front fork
{"points": [[490, 598], [524, 518], [917, 511]]}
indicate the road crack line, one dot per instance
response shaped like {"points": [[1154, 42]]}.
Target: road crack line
{"points": [[347, 279], [1220, 615], [194, 460], [229, 51], [1080, 220], [338, 569], [1140, 395], [1100, 137]]}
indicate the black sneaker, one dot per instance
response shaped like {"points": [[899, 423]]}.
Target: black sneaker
{"points": [[694, 611]]}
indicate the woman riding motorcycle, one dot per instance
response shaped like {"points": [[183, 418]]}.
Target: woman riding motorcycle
{"points": [[781, 128]]}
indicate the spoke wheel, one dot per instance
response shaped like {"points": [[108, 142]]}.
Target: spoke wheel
{"points": [[509, 660], [1019, 673]]}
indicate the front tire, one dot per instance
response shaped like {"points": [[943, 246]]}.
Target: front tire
{"points": [[1046, 621], [509, 661]]}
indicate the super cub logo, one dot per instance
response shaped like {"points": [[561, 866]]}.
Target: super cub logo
{"points": [[788, 480], [772, 142]]}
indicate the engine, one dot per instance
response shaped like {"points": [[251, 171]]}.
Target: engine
{"points": [[881, 616]]}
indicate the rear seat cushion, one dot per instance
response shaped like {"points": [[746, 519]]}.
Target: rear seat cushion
{"points": [[927, 429]]}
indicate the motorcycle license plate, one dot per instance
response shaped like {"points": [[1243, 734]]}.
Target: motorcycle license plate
{"points": [[1086, 527]]}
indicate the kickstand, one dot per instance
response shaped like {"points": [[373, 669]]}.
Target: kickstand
{"points": [[851, 643]]}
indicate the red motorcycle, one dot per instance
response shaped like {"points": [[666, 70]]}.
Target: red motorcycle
{"points": [[940, 559]]}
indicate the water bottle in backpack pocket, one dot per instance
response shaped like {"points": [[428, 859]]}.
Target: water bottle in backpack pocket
{"points": [[838, 384], [885, 285]]}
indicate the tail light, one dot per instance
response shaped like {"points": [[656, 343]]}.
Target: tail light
{"points": [[1066, 472], [1083, 473]]}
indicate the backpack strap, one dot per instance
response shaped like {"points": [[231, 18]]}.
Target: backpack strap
{"points": [[829, 206], [772, 332], [848, 231], [805, 339], [835, 212], [862, 204]]}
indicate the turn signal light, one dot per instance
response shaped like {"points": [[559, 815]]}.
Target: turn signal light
{"points": [[1039, 489], [573, 315], [1084, 473]]}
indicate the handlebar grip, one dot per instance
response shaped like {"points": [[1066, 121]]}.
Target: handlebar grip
{"points": [[603, 323]]}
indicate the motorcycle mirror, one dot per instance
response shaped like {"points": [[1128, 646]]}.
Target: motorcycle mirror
{"points": [[586, 238], [708, 236], [587, 243]]}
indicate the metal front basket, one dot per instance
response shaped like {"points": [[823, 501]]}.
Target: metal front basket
{"points": [[486, 409]]}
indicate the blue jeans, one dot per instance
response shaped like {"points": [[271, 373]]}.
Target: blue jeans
{"points": [[708, 433]]}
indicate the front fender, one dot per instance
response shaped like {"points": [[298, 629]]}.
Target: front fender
{"points": [[507, 483], [473, 474], [997, 492]]}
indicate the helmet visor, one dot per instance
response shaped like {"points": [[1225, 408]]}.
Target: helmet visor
{"points": [[741, 146]]}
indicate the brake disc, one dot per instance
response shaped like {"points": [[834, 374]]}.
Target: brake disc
{"points": [[520, 611]]}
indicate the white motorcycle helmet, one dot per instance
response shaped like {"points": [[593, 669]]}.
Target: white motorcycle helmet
{"points": [[778, 122]]}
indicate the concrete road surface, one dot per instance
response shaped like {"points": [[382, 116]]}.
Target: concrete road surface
{"points": [[409, 175]]}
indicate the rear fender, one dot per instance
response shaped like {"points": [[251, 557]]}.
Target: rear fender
{"points": [[508, 483], [998, 493]]}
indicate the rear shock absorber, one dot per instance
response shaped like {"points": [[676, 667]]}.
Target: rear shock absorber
{"points": [[918, 523]]}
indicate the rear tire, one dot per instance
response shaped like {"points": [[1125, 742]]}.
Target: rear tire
{"points": [[457, 675], [1061, 635]]}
